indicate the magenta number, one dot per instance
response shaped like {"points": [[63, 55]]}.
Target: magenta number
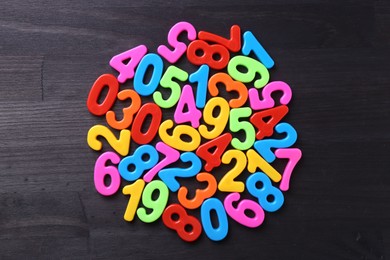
{"points": [[101, 170], [171, 156], [179, 47], [293, 155]]}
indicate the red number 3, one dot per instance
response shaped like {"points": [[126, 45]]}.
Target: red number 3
{"points": [[183, 223], [215, 55]]}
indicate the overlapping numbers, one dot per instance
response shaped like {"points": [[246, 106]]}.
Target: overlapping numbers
{"points": [[207, 131]]}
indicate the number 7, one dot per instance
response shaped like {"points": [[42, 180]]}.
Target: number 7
{"points": [[293, 155]]}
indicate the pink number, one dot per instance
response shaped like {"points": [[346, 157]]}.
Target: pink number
{"points": [[101, 170], [126, 71], [268, 101], [238, 214], [171, 156], [179, 47], [293, 155], [193, 115]]}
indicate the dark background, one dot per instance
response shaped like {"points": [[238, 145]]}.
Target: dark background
{"points": [[334, 55]]}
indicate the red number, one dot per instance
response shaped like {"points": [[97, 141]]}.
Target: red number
{"points": [[215, 55], [233, 44], [266, 127], [136, 132], [182, 222], [93, 98], [213, 159]]}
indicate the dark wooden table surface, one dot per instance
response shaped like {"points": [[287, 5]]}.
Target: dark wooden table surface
{"points": [[334, 55]]}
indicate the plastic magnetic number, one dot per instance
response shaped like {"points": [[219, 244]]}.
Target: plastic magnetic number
{"points": [[135, 191], [268, 101], [253, 68], [238, 214], [136, 130], [120, 145], [273, 116], [219, 122], [179, 47], [265, 193], [128, 112], [181, 223], [220, 232], [168, 175], [256, 161], [214, 55], [126, 71], [263, 147], [175, 140], [193, 115], [233, 43], [154, 61], [171, 156], [157, 205], [230, 85], [102, 170], [293, 155], [200, 194], [227, 183], [167, 82], [105, 80], [219, 145], [236, 125], [201, 76], [252, 44], [140, 165]]}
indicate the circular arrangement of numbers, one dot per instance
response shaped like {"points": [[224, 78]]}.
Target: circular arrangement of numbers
{"points": [[212, 127]]}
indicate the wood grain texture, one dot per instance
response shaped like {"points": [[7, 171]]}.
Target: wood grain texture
{"points": [[334, 55]]}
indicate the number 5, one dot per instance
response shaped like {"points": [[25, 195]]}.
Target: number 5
{"points": [[235, 125]]}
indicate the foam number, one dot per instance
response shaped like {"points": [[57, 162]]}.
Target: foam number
{"points": [[148, 109], [293, 155], [200, 194], [227, 183], [128, 112], [135, 192], [138, 162], [252, 44], [219, 122], [171, 156], [134, 56], [268, 101], [192, 114], [215, 56], [156, 205], [266, 120], [238, 214], [263, 147], [155, 62], [120, 145], [252, 68], [256, 161], [230, 86], [236, 125], [233, 43], [179, 47], [175, 140], [168, 83], [270, 198], [102, 170], [168, 176], [187, 227], [105, 80], [200, 76], [218, 146], [214, 233]]}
